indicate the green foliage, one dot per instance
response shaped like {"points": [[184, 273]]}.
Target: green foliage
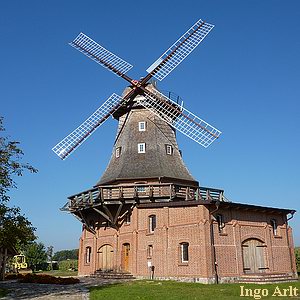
{"points": [[3, 293], [149, 290], [297, 253], [66, 254], [69, 264], [15, 229], [10, 163], [36, 255]]}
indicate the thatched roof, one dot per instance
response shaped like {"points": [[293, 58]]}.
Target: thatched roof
{"points": [[155, 162]]}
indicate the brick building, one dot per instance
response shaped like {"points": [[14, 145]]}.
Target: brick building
{"points": [[147, 216]]}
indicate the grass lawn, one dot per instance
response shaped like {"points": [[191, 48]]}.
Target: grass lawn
{"points": [[3, 293], [146, 289]]}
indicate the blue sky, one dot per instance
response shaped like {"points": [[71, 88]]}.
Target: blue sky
{"points": [[244, 79]]}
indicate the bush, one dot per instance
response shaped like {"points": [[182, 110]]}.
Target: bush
{"points": [[69, 264], [47, 279], [297, 253]]}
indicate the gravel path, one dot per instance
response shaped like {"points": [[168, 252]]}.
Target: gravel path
{"points": [[36, 291]]}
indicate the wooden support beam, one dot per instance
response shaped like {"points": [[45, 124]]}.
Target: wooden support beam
{"points": [[102, 214], [86, 224], [108, 212], [118, 213]]}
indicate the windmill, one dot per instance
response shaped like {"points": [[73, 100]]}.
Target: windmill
{"points": [[169, 111]]}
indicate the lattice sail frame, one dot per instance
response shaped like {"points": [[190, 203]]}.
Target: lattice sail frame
{"points": [[100, 55], [181, 48], [65, 147], [180, 118]]}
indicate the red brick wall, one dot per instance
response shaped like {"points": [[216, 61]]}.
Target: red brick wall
{"points": [[191, 224]]}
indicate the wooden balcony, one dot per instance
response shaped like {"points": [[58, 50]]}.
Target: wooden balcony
{"points": [[141, 193]]}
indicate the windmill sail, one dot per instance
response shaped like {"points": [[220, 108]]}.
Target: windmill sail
{"points": [[65, 147], [100, 55], [166, 63], [180, 118]]}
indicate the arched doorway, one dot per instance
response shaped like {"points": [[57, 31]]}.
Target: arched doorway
{"points": [[106, 256], [125, 257], [254, 256]]}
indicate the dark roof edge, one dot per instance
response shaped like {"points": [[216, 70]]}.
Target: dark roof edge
{"points": [[213, 202], [254, 207], [111, 182]]}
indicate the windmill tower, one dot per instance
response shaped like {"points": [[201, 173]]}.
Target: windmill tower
{"points": [[145, 149], [146, 163]]}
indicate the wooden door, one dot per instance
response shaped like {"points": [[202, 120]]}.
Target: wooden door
{"points": [[254, 256], [125, 257], [106, 255]]}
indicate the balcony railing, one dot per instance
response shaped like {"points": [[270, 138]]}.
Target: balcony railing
{"points": [[142, 193]]}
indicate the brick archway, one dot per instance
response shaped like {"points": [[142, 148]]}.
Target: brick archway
{"points": [[105, 257]]}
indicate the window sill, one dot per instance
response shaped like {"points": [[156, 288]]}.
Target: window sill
{"points": [[277, 236], [223, 233], [183, 264], [150, 233]]}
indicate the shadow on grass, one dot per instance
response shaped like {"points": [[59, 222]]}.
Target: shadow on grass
{"points": [[3, 292]]}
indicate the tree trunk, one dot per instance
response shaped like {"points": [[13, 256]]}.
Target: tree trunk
{"points": [[3, 256]]}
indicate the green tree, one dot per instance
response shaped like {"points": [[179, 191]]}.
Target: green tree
{"points": [[15, 229], [50, 256], [66, 254], [35, 254], [297, 253], [11, 164]]}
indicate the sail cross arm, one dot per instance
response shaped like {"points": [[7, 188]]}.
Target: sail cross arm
{"points": [[65, 147], [173, 56], [100, 55]]}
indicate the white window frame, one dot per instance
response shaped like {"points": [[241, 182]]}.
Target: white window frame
{"points": [[182, 252], [274, 226], [127, 218], [221, 223], [150, 251], [141, 147], [118, 152], [88, 254], [169, 149], [142, 126], [152, 223]]}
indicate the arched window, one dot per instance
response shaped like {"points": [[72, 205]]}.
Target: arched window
{"points": [[149, 251], [88, 254], [184, 252], [274, 226], [152, 223], [220, 221], [128, 218]]}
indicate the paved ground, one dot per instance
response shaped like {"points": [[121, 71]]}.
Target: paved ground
{"points": [[36, 291]]}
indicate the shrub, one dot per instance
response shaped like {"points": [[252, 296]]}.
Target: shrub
{"points": [[297, 253], [69, 264]]}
